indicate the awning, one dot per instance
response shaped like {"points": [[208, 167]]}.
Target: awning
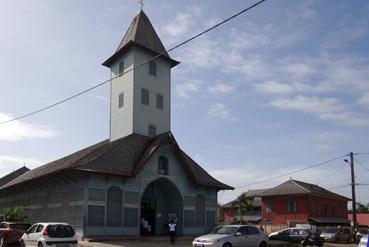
{"points": [[339, 221]]}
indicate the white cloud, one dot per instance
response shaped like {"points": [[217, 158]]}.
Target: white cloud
{"points": [[186, 89], [323, 108], [220, 89], [364, 99], [273, 87], [11, 163], [219, 110], [329, 140], [18, 130]]}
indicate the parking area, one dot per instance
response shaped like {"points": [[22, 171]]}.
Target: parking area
{"points": [[181, 242]]}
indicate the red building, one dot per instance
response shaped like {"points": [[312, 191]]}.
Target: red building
{"points": [[295, 202], [362, 219]]}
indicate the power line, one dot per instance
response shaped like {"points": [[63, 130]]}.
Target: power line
{"points": [[331, 174], [361, 164], [293, 172], [360, 153], [339, 186], [137, 66]]}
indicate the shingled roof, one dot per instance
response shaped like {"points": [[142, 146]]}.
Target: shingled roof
{"points": [[9, 177], [141, 33], [126, 157], [293, 187]]}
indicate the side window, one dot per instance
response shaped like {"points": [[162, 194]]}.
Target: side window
{"points": [[144, 96], [121, 100], [121, 67], [243, 230], [159, 101], [152, 69], [152, 130], [39, 228], [269, 206], [252, 230], [286, 232], [32, 229], [163, 165]]}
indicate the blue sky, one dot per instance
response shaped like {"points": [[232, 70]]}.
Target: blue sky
{"points": [[284, 86]]}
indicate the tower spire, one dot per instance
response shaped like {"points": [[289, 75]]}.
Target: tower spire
{"points": [[140, 2]]}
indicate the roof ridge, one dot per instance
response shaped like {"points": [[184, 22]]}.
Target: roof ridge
{"points": [[296, 183]]}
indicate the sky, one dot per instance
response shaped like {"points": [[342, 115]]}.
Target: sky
{"points": [[279, 88]]}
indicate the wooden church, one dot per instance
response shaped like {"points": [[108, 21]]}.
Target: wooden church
{"points": [[139, 172]]}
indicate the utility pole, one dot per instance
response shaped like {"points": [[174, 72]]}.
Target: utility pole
{"points": [[353, 192]]}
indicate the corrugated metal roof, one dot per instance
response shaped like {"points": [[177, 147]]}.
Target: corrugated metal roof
{"points": [[13, 175], [125, 157]]}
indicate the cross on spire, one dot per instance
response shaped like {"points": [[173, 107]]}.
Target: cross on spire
{"points": [[140, 2]]}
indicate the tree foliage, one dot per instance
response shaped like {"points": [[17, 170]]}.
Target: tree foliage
{"points": [[361, 208], [13, 214], [243, 204]]}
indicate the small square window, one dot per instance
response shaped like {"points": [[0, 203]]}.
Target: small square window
{"points": [[152, 130], [121, 68], [121, 100], [144, 96], [152, 70], [159, 101]]}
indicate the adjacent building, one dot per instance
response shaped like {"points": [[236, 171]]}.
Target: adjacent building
{"points": [[294, 202], [230, 212], [138, 172]]}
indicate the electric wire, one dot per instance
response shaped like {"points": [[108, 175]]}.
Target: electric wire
{"points": [[331, 174], [134, 68], [361, 164], [292, 172]]}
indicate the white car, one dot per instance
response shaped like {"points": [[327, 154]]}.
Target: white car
{"points": [[363, 241], [233, 236], [49, 234]]}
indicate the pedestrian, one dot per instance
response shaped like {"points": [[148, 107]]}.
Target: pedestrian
{"points": [[145, 227], [172, 232]]}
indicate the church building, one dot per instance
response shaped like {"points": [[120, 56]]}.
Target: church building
{"points": [[139, 172]]}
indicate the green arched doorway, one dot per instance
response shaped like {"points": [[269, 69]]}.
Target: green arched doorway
{"points": [[161, 202]]}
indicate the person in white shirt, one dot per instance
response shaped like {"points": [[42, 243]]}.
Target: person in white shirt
{"points": [[172, 232]]}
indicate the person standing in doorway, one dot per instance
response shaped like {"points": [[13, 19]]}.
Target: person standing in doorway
{"points": [[172, 232]]}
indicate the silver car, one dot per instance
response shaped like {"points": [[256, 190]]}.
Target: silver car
{"points": [[233, 236], [363, 241]]}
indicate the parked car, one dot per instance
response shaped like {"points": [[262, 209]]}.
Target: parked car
{"points": [[298, 235], [363, 241], [361, 232], [11, 232], [233, 236], [335, 234], [49, 234]]}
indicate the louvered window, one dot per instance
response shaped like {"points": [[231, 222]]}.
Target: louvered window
{"points": [[200, 210], [114, 207]]}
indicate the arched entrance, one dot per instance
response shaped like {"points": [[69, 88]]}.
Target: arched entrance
{"points": [[160, 202]]}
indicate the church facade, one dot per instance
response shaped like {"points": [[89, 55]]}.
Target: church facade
{"points": [[139, 172]]}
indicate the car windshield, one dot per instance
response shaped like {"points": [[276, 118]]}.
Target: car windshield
{"points": [[60, 231], [330, 230], [226, 230], [22, 227], [363, 231]]}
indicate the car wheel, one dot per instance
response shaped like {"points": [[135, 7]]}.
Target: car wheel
{"points": [[227, 245], [21, 244], [2, 242], [263, 244]]}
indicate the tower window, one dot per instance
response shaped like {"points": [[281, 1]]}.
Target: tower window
{"points": [[152, 68], [121, 100], [163, 165], [152, 130], [144, 96], [159, 101], [121, 67]]}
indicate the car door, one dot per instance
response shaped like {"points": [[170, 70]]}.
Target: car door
{"points": [[252, 237], [239, 237], [284, 235], [27, 236]]}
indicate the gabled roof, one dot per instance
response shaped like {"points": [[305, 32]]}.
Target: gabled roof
{"points": [[250, 193], [9, 177], [294, 187], [141, 33], [126, 157]]}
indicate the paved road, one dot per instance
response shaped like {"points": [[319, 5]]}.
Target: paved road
{"points": [[164, 242]]}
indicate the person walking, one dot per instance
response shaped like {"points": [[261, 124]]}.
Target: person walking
{"points": [[172, 232]]}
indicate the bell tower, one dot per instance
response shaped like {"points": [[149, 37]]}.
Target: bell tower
{"points": [[140, 97]]}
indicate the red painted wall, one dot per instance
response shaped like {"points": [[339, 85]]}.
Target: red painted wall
{"points": [[307, 206], [229, 214]]}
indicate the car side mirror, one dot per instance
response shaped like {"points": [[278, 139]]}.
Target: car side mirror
{"points": [[237, 234]]}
